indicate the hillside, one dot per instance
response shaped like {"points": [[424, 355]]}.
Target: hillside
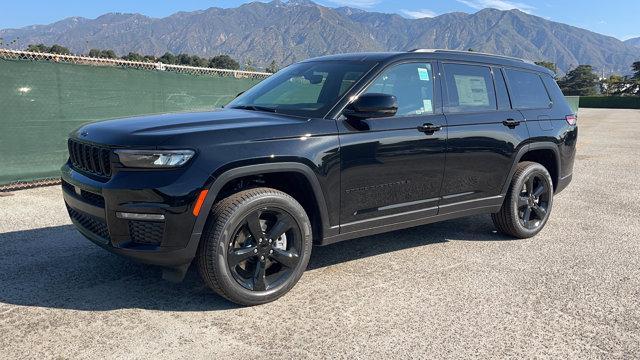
{"points": [[299, 29]]}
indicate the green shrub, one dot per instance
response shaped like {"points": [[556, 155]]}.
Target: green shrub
{"points": [[611, 102]]}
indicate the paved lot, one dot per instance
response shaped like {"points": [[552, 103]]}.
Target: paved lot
{"points": [[448, 290]]}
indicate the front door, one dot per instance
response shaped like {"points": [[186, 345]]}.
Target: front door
{"points": [[392, 168]]}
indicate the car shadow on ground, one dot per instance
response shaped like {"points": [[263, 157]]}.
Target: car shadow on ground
{"points": [[56, 267]]}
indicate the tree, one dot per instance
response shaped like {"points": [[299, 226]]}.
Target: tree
{"points": [[249, 66], [183, 59], [191, 60], [58, 49], [224, 62], [133, 57], [94, 53], [167, 58], [38, 48], [548, 64], [634, 87], [580, 81], [199, 61], [615, 85], [273, 67], [636, 69], [108, 54], [105, 54]]}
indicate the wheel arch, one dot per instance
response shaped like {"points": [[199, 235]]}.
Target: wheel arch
{"points": [[229, 175], [545, 153]]}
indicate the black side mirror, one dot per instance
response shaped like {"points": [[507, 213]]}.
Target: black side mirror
{"points": [[370, 106]]}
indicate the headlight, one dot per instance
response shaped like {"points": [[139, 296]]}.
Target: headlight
{"points": [[154, 158]]}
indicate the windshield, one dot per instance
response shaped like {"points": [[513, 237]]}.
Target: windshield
{"points": [[306, 89]]}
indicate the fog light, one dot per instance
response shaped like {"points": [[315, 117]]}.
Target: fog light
{"points": [[134, 216]]}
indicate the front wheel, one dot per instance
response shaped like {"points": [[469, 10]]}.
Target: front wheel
{"points": [[527, 205], [256, 246]]}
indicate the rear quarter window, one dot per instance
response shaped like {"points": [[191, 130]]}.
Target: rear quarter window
{"points": [[527, 90]]}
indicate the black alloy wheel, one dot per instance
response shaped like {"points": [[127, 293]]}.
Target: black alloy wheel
{"points": [[533, 201], [256, 246], [528, 202], [264, 249]]}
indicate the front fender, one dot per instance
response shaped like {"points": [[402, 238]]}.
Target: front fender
{"points": [[256, 169]]}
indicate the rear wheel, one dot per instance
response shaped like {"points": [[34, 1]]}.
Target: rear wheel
{"points": [[256, 246], [527, 206]]}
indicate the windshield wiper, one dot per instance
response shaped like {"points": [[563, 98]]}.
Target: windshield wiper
{"points": [[255, 108]]}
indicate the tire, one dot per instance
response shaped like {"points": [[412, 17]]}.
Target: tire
{"points": [[236, 256], [530, 195]]}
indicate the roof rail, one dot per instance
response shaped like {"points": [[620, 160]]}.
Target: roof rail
{"points": [[469, 52]]}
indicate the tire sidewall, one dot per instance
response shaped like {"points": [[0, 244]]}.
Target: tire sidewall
{"points": [[223, 273], [531, 169]]}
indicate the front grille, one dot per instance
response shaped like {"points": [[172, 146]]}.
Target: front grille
{"points": [[88, 197], [90, 223], [90, 158], [146, 232]]}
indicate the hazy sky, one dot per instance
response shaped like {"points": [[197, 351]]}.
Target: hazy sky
{"points": [[617, 18]]}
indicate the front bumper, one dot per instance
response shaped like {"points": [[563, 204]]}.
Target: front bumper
{"points": [[92, 205]]}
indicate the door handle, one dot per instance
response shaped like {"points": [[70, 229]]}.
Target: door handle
{"points": [[511, 123], [429, 128]]}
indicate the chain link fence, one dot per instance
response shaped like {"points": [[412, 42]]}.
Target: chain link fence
{"points": [[84, 60], [44, 96]]}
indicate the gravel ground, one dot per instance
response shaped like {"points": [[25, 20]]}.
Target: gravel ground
{"points": [[449, 290]]}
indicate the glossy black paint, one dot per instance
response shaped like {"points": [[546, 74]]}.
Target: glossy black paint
{"points": [[370, 106], [367, 175]]}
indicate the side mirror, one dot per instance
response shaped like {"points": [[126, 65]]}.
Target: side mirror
{"points": [[370, 106]]}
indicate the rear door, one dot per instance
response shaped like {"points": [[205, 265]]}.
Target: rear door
{"points": [[392, 168], [531, 97], [484, 135]]}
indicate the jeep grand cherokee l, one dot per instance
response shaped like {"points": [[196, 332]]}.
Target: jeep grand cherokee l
{"points": [[325, 150]]}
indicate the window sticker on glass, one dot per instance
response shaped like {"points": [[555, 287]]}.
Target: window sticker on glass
{"points": [[427, 106], [472, 90], [423, 73]]}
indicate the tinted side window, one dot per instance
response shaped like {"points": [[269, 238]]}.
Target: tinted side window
{"points": [[412, 85], [527, 90], [501, 90], [469, 88]]}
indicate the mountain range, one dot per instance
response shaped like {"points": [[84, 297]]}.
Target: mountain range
{"points": [[633, 42], [299, 29]]}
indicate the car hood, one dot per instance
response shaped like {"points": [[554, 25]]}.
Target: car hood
{"points": [[154, 130]]}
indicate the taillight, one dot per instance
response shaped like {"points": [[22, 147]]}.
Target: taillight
{"points": [[571, 119]]}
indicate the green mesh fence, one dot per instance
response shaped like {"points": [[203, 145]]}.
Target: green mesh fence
{"points": [[42, 101]]}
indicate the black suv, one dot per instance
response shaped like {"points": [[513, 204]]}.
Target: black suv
{"points": [[325, 150]]}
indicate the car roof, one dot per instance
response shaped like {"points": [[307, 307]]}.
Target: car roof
{"points": [[437, 54]]}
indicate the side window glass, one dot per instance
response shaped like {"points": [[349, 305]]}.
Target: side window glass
{"points": [[411, 84], [527, 90], [501, 90], [469, 88]]}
